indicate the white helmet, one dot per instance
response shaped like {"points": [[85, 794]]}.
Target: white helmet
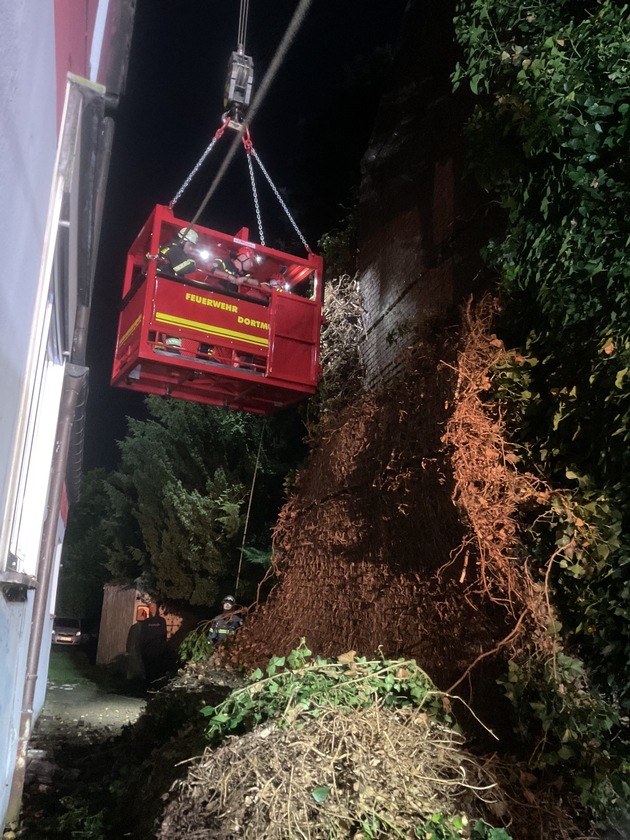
{"points": [[189, 234]]}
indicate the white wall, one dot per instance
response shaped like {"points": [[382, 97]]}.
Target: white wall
{"points": [[27, 153], [28, 141], [42, 172]]}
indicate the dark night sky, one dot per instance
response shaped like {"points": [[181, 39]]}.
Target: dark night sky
{"points": [[310, 133]]}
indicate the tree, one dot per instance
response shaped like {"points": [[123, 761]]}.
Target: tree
{"points": [[174, 512], [85, 551]]}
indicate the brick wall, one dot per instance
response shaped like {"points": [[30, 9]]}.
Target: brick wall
{"points": [[420, 219]]}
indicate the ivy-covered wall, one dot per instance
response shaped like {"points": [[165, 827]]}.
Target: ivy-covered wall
{"points": [[548, 140]]}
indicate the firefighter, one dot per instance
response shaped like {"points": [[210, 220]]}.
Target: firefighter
{"points": [[245, 261], [238, 267], [227, 623], [175, 258], [153, 643]]}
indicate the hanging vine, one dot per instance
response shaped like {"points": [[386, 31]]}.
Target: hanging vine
{"points": [[549, 139]]}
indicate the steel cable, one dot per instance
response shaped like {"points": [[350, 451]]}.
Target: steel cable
{"points": [[291, 31], [249, 507], [242, 25]]}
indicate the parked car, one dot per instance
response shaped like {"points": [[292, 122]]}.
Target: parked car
{"points": [[68, 631]]}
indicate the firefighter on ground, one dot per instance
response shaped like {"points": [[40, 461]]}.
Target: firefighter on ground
{"points": [[227, 623], [175, 258], [153, 649]]}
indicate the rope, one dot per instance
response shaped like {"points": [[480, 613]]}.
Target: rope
{"points": [[281, 200], [289, 35], [249, 507], [183, 187]]}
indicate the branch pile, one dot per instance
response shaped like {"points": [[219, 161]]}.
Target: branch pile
{"points": [[342, 332], [328, 778], [340, 775]]}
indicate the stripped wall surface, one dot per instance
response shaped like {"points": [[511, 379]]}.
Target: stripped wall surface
{"points": [[420, 219]]}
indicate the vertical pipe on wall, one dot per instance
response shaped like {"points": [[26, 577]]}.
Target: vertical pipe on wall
{"points": [[75, 379]]}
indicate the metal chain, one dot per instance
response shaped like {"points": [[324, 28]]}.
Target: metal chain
{"points": [[255, 194], [183, 187], [280, 199]]}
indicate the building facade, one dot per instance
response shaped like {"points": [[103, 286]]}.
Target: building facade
{"points": [[62, 69]]}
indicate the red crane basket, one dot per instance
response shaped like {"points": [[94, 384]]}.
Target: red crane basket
{"points": [[242, 334]]}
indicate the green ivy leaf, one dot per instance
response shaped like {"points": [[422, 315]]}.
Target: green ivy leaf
{"points": [[474, 82], [320, 794]]}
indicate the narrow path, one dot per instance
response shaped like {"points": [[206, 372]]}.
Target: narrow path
{"points": [[81, 695], [93, 776], [85, 706]]}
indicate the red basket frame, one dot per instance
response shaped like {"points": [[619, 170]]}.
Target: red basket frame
{"points": [[253, 347]]}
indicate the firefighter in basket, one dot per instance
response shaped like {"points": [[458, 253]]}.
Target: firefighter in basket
{"points": [[175, 258], [237, 268], [238, 271]]}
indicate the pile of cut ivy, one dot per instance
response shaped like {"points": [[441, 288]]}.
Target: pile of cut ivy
{"points": [[289, 716], [303, 685], [549, 138]]}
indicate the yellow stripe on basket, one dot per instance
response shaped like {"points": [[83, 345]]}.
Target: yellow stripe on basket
{"points": [[133, 327], [208, 329]]}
